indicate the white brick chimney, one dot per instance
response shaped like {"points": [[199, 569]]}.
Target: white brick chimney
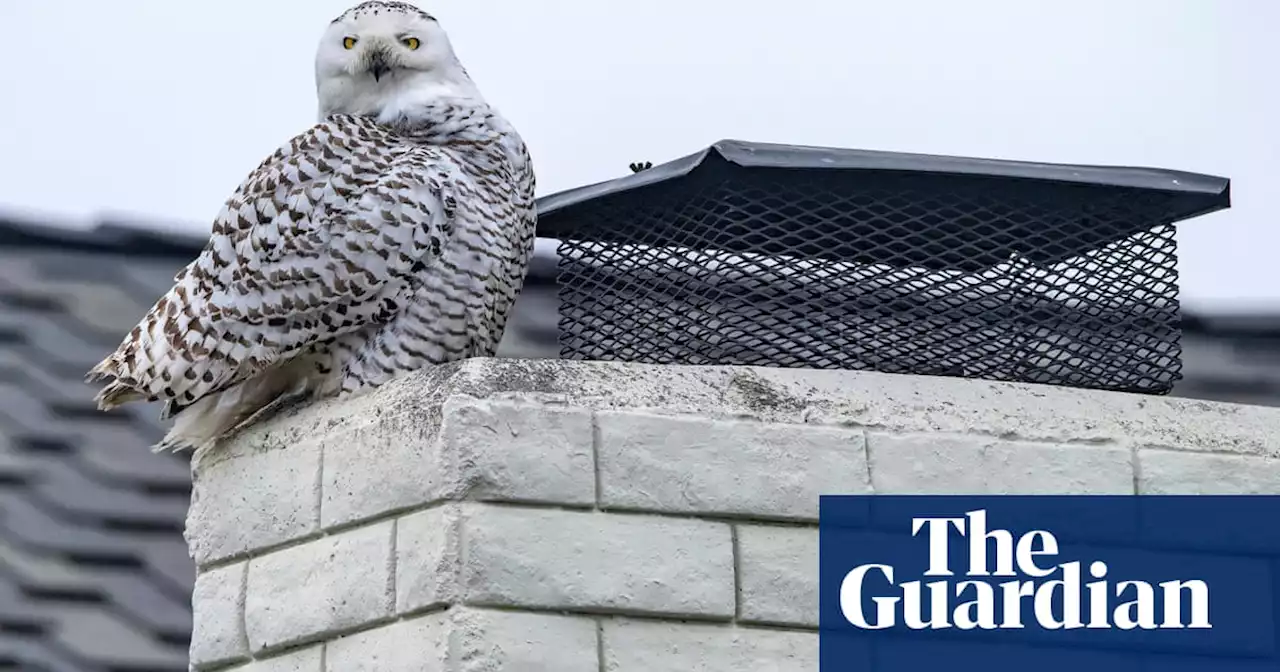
{"points": [[592, 517]]}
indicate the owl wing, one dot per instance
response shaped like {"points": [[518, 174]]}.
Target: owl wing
{"points": [[323, 238]]}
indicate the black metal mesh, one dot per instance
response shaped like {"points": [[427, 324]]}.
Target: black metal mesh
{"points": [[900, 272]]}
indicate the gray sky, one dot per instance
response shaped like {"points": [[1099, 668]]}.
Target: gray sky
{"points": [[157, 109]]}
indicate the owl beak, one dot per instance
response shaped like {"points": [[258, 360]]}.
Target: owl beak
{"points": [[378, 65]]}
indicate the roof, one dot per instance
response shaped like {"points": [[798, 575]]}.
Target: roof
{"points": [[1231, 356], [94, 573]]}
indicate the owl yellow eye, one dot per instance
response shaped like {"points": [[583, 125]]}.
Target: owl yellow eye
{"points": [[411, 42], [349, 42]]}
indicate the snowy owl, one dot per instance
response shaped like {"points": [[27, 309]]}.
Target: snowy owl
{"points": [[392, 235]]}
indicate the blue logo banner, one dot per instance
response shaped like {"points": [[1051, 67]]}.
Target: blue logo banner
{"points": [[1048, 583]]}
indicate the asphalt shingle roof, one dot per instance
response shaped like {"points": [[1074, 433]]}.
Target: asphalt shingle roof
{"points": [[94, 572]]}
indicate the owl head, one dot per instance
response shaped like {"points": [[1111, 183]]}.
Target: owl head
{"points": [[383, 59]]}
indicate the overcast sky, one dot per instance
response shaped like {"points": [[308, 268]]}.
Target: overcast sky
{"points": [[156, 109]]}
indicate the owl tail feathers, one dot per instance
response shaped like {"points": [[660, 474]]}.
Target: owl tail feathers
{"points": [[217, 416], [101, 372], [116, 394], [176, 444], [118, 391]]}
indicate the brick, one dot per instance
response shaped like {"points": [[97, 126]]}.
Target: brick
{"points": [[1168, 472], [488, 450], [631, 646], [252, 497], [427, 559], [690, 465], [390, 464], [586, 560], [405, 646], [521, 452], [217, 632], [778, 575], [959, 464], [331, 584], [489, 640], [470, 640], [1065, 469], [926, 464], [310, 659]]}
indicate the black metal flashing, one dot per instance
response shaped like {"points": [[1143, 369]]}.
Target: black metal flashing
{"points": [[1211, 192]]}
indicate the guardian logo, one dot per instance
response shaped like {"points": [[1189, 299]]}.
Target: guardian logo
{"points": [[1051, 583], [1055, 595]]}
